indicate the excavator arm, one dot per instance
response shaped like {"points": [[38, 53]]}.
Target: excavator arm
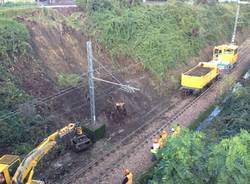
{"points": [[25, 171]]}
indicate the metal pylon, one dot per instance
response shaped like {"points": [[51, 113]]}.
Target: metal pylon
{"points": [[91, 81], [235, 23]]}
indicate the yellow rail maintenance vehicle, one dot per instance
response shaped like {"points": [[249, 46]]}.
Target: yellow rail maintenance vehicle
{"points": [[15, 171], [198, 78], [225, 56]]}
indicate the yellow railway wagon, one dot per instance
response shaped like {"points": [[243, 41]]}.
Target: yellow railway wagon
{"points": [[199, 77]]}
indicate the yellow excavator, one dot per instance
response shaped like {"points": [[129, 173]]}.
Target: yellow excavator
{"points": [[15, 171]]}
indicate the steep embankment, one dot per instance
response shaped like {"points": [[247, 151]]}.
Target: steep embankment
{"points": [[52, 56], [44, 51], [162, 37]]}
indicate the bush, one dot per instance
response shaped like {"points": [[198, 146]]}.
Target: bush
{"points": [[68, 80], [14, 39], [17, 134], [235, 115], [162, 37], [189, 158]]}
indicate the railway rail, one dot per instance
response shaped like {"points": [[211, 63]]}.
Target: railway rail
{"points": [[123, 142], [143, 137]]}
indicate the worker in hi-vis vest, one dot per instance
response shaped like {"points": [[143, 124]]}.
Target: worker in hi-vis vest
{"points": [[155, 148], [163, 138], [177, 131], [128, 177]]}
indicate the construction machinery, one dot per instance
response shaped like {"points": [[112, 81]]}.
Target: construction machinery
{"points": [[197, 78], [225, 56], [15, 171]]}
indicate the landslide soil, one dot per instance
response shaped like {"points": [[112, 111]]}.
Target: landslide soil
{"points": [[59, 48]]}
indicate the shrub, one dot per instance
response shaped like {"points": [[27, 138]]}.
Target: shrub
{"points": [[14, 39], [68, 80], [161, 37]]}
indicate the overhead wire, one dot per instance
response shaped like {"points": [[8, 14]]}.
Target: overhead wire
{"points": [[68, 90]]}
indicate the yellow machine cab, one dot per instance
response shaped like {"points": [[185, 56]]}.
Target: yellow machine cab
{"points": [[8, 167], [226, 54]]}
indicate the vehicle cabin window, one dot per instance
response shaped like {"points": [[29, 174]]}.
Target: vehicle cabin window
{"points": [[235, 51], [228, 51], [217, 52], [13, 168]]}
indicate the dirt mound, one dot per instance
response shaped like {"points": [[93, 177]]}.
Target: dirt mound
{"points": [[61, 50], [199, 71]]}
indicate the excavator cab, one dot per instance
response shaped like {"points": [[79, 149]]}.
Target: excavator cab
{"points": [[13, 171], [80, 141], [8, 167]]}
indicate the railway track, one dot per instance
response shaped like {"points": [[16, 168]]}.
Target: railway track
{"points": [[143, 135], [125, 141]]}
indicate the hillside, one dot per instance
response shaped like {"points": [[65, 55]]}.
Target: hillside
{"points": [[43, 68], [162, 37]]}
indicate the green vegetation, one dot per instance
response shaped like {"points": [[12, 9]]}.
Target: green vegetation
{"points": [[201, 117], [219, 155], [14, 44], [68, 80], [235, 115], [190, 158], [162, 37], [14, 39], [16, 4], [182, 160], [16, 130]]}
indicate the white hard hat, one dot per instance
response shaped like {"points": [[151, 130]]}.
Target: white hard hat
{"points": [[172, 129]]}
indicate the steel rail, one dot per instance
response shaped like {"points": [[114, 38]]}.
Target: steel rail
{"points": [[145, 138]]}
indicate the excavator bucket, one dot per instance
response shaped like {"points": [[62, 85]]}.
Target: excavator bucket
{"points": [[80, 143]]}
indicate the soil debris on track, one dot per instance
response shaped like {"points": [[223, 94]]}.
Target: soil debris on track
{"points": [[135, 154]]}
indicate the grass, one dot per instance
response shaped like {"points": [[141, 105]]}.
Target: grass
{"points": [[201, 117], [14, 39], [162, 37], [146, 176], [16, 131], [68, 80]]}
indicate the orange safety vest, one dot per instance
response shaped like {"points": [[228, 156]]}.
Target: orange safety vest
{"points": [[130, 178], [177, 131]]}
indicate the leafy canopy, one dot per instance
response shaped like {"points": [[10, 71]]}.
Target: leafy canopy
{"points": [[190, 158]]}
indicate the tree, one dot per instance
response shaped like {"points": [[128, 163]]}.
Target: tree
{"points": [[229, 161], [235, 115], [182, 160], [190, 158]]}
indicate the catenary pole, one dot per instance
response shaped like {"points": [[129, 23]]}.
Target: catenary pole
{"points": [[91, 82]]}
